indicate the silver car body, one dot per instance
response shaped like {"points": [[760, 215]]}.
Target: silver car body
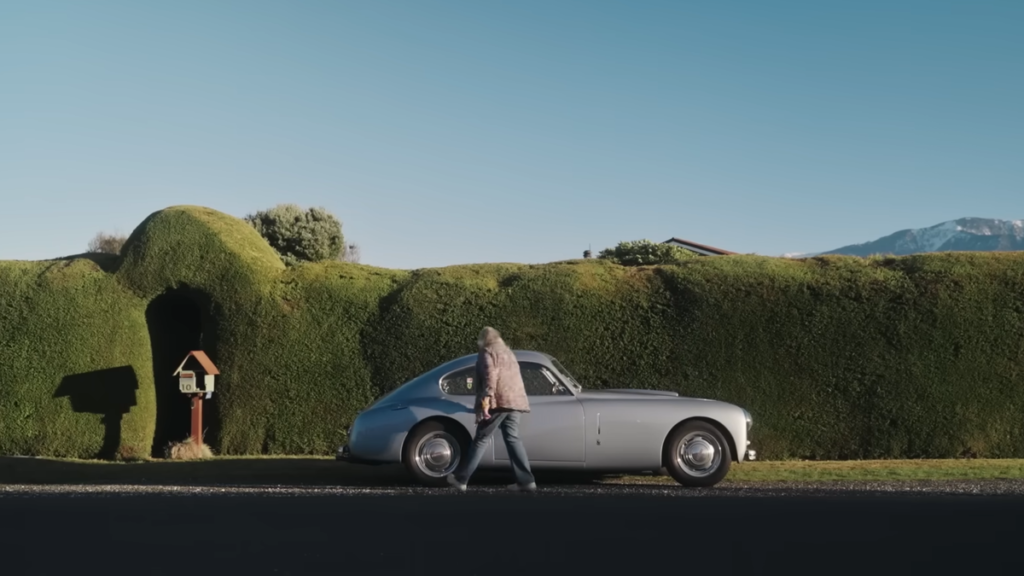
{"points": [[604, 431]]}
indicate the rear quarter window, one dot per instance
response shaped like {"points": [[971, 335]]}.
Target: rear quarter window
{"points": [[460, 383]]}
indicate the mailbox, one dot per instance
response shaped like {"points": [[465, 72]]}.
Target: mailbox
{"points": [[197, 381], [190, 383], [187, 382]]}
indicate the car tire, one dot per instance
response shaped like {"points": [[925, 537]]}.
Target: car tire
{"points": [[432, 450], [697, 455]]}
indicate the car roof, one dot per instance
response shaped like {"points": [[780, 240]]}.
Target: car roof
{"points": [[532, 355], [428, 380], [468, 359], [520, 355]]}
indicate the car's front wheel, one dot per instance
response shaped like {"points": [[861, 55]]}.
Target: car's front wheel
{"points": [[432, 451], [697, 454]]}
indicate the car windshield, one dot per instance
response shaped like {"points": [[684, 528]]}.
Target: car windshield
{"points": [[565, 374]]}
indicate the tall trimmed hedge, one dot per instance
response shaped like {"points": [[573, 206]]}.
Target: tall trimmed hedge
{"points": [[287, 340], [845, 358], [75, 373], [836, 357]]}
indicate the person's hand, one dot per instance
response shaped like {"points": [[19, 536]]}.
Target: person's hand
{"points": [[485, 411]]}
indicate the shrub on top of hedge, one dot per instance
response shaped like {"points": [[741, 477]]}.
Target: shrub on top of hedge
{"points": [[298, 235], [646, 253]]}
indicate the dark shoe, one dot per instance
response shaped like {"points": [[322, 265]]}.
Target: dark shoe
{"points": [[455, 483], [531, 487]]}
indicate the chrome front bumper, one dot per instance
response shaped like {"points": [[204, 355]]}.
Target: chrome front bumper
{"points": [[749, 455], [343, 454]]}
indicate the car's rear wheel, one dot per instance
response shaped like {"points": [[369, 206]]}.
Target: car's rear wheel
{"points": [[697, 454], [432, 451]]}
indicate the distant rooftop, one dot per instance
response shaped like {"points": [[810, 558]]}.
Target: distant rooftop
{"points": [[702, 249]]}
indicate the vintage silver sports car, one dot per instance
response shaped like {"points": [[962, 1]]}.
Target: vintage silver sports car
{"points": [[427, 425]]}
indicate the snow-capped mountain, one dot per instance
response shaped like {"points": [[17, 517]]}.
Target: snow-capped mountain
{"points": [[965, 234]]}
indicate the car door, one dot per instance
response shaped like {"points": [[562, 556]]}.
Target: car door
{"points": [[554, 429]]}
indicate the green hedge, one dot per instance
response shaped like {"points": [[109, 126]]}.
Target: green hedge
{"points": [[74, 352], [836, 357], [298, 373], [287, 339], [845, 358]]}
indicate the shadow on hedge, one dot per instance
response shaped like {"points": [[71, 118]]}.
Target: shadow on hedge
{"points": [[109, 263], [109, 394]]}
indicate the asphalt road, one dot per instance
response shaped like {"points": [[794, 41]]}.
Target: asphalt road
{"points": [[620, 530]]}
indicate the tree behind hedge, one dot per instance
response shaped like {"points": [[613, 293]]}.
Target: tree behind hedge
{"points": [[298, 235], [646, 253], [104, 243]]}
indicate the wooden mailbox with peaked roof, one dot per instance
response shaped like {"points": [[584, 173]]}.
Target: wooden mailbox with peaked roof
{"points": [[189, 384]]}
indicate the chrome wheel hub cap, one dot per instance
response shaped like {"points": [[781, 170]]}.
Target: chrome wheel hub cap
{"points": [[438, 454], [699, 454]]}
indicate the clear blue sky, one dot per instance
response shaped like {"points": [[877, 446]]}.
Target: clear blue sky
{"points": [[457, 132]]}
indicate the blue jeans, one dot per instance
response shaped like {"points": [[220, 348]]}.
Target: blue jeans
{"points": [[509, 424]]}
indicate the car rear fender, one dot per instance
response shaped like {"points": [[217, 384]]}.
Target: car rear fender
{"points": [[461, 432]]}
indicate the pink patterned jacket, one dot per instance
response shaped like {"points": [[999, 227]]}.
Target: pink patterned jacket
{"points": [[499, 381]]}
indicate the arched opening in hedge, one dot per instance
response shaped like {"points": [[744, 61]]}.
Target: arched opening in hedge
{"points": [[179, 320]]}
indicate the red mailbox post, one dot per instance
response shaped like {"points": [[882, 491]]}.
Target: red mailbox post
{"points": [[190, 384]]}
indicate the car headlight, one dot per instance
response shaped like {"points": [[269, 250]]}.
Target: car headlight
{"points": [[750, 421]]}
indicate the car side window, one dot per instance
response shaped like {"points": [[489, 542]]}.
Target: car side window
{"points": [[460, 382], [537, 379], [540, 381]]}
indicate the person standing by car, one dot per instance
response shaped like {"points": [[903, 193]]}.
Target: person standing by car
{"points": [[500, 401]]}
